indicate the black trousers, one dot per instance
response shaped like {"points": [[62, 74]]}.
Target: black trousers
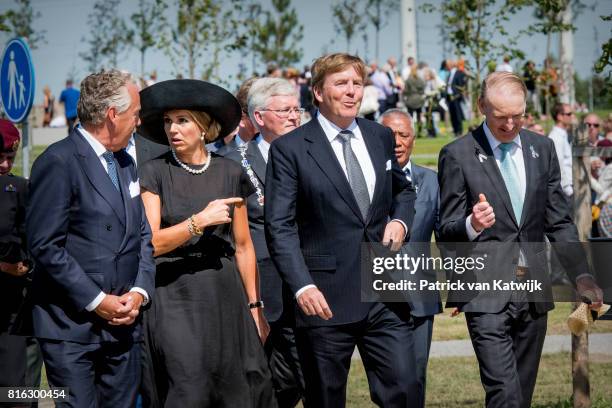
{"points": [[285, 364], [508, 346], [70, 122], [97, 375], [456, 115], [385, 340]]}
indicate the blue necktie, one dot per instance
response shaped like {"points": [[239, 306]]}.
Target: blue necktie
{"points": [[111, 168], [407, 171], [510, 175]]}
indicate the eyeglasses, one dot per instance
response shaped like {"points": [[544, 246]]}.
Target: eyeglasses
{"points": [[567, 113], [284, 113], [595, 125]]}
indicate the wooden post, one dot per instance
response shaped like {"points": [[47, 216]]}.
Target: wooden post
{"points": [[581, 170]]}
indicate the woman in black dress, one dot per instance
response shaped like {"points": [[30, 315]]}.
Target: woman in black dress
{"points": [[202, 347]]}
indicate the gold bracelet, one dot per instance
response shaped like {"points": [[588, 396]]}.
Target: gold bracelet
{"points": [[193, 228]]}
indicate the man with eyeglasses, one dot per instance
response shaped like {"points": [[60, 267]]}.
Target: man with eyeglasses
{"points": [[592, 127], [273, 107], [563, 115], [500, 184]]}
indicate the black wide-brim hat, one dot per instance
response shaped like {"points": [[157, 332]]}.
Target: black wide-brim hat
{"points": [[189, 94]]}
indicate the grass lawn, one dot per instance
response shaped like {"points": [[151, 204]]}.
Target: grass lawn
{"points": [[455, 382], [34, 153], [454, 328]]}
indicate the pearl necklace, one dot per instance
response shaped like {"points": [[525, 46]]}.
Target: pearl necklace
{"points": [[189, 169]]}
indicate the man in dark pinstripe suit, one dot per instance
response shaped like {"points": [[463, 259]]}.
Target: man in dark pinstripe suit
{"points": [[331, 185]]}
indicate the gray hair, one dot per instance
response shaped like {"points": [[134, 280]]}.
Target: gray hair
{"points": [[265, 88], [394, 111], [99, 92]]}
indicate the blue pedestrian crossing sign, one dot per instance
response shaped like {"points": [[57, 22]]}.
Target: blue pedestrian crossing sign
{"points": [[17, 80]]}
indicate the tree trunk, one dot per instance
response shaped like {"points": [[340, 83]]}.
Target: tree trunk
{"points": [[142, 63]]}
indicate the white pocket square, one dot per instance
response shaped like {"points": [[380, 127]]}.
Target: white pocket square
{"points": [[388, 165], [134, 189]]}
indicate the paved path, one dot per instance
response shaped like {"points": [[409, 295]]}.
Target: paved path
{"points": [[599, 343], [46, 136]]}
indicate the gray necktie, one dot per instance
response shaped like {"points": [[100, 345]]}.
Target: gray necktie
{"points": [[111, 168], [355, 175]]}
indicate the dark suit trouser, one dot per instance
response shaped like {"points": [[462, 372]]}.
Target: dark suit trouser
{"points": [[422, 334], [12, 360], [456, 115], [97, 375], [385, 340], [285, 365], [508, 346]]}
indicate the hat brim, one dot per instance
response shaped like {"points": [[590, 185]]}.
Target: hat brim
{"points": [[188, 94]]}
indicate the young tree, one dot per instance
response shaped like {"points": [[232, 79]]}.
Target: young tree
{"points": [[147, 23], [473, 25], [348, 19], [605, 61], [202, 27], [108, 35], [549, 18], [20, 22], [246, 38], [377, 11], [278, 36]]}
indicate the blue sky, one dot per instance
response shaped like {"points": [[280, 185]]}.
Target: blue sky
{"points": [[65, 22]]}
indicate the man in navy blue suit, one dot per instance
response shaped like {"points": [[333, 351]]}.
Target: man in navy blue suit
{"points": [[88, 234], [426, 220], [331, 185]]}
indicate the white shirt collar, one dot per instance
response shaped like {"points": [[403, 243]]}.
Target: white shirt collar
{"points": [[408, 166], [493, 142], [263, 146], [93, 142], [331, 130]]}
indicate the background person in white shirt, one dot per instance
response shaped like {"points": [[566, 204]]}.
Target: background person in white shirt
{"points": [[563, 115]]}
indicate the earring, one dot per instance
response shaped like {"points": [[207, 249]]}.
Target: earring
{"points": [[202, 136]]}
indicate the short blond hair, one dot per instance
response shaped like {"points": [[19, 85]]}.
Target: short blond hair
{"points": [[498, 79], [206, 123], [333, 63]]}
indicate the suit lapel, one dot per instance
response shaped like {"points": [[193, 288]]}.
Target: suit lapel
{"points": [[258, 164], [98, 178], [417, 175], [375, 149], [530, 176], [491, 169], [124, 171], [322, 153]]}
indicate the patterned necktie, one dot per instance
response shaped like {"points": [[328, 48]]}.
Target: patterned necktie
{"points": [[408, 175], [111, 168], [355, 175], [510, 175]]}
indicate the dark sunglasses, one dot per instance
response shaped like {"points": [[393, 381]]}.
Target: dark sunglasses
{"points": [[595, 125]]}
